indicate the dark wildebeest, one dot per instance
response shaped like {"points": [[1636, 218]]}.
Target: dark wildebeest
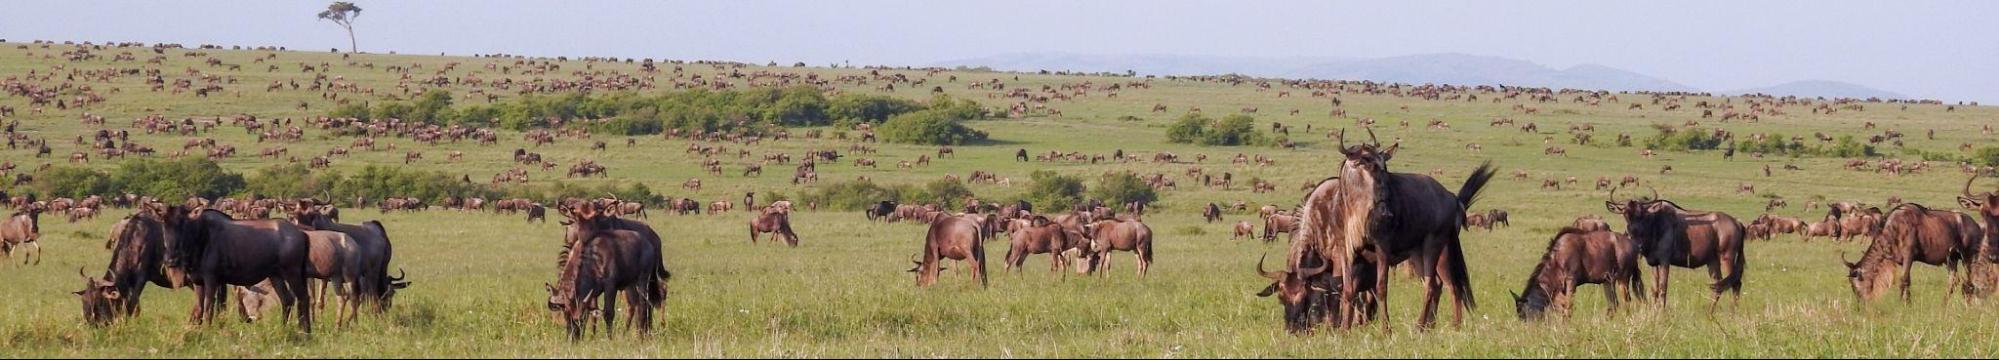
{"points": [[24, 228], [601, 257], [537, 212], [1212, 213], [881, 210], [1038, 235], [1121, 235], [1279, 224], [1669, 235], [1310, 295], [1497, 217], [1914, 233], [215, 251], [136, 252], [1576, 257], [951, 237], [776, 221], [1394, 217]]}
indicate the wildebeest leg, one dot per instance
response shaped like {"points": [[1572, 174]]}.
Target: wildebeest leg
{"points": [[296, 289], [641, 309], [1662, 273], [1610, 296], [753, 234], [610, 313], [1714, 271], [1908, 263], [1381, 266], [38, 253]]}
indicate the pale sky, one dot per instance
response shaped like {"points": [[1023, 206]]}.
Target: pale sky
{"points": [[1946, 50]]}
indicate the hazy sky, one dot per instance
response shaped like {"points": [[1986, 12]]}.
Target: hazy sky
{"points": [[1943, 50]]}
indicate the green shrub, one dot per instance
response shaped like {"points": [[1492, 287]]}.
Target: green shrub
{"points": [[1188, 128], [1054, 191], [942, 192], [1232, 130], [1120, 188], [72, 182], [851, 195], [929, 127]]}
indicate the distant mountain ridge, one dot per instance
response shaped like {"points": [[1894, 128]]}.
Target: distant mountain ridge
{"points": [[1447, 68]]}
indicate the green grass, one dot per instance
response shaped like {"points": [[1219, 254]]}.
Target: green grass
{"points": [[843, 291]]}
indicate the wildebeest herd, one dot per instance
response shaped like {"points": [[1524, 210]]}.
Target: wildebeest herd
{"points": [[1345, 235]]}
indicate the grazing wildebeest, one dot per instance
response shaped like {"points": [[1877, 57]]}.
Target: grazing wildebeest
{"points": [[215, 251], [1497, 217], [335, 258], [1394, 217], [1243, 229], [136, 259], [1912, 234], [1038, 235], [951, 237], [1986, 204], [1576, 257], [537, 212], [776, 221], [1669, 235], [24, 228], [1121, 235], [603, 255], [1212, 213]]}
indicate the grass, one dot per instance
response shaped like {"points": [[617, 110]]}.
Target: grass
{"points": [[843, 292]]}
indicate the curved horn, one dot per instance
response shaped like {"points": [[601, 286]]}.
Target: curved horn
{"points": [[400, 275], [1613, 193], [913, 260], [79, 272], [1849, 264], [1655, 192], [1967, 183], [1343, 138], [1371, 139], [1309, 272], [1272, 275]]}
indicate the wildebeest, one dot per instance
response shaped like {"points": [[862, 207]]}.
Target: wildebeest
{"points": [[881, 210], [1121, 235], [215, 251], [23, 228], [1669, 235], [1038, 235], [1369, 213], [1243, 229], [372, 252], [136, 259], [603, 255], [951, 237], [1211, 213], [1986, 204], [1914, 233], [1279, 224], [1576, 257], [537, 212], [776, 221]]}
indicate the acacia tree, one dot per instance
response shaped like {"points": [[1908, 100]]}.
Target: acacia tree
{"points": [[343, 13]]}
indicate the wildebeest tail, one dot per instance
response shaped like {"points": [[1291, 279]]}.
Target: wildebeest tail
{"points": [[1460, 276], [658, 294], [1480, 176]]}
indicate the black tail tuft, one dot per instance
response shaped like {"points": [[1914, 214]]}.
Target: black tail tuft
{"points": [[1479, 177]]}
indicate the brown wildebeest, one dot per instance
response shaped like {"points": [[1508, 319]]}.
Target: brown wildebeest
{"points": [[1914, 233], [372, 252], [1669, 235], [1590, 222], [1497, 217], [1986, 204], [335, 258], [955, 238], [1121, 235], [1038, 235], [1243, 229], [1425, 225], [24, 228], [776, 221], [1279, 224], [215, 251], [1576, 257], [603, 255]]}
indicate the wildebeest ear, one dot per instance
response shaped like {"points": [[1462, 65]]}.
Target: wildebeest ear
{"points": [[77, 293], [1390, 153], [1968, 202], [1267, 290]]}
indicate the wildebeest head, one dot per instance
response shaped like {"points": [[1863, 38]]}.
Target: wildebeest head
{"points": [[396, 283], [1987, 206], [572, 300], [1362, 180], [185, 238], [1648, 220], [1871, 276], [99, 299], [1294, 290]]}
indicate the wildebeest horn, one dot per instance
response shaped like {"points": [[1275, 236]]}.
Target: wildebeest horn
{"points": [[1343, 139], [913, 260], [1516, 296], [1967, 183], [1309, 272], [1371, 139], [1272, 275], [1655, 192], [1849, 264], [400, 274], [79, 272]]}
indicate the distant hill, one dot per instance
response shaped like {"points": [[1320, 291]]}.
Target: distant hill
{"points": [[1456, 69], [1822, 88]]}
